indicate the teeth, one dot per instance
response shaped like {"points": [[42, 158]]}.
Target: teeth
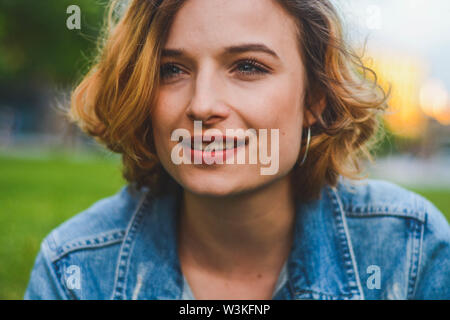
{"points": [[217, 146]]}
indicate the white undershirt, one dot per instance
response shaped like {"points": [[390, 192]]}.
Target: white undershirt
{"points": [[282, 278]]}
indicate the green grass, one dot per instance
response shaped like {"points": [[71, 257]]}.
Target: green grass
{"points": [[37, 194]]}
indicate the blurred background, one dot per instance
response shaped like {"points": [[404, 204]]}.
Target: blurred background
{"points": [[49, 170]]}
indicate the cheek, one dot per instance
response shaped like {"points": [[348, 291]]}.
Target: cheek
{"points": [[273, 102], [276, 106], [280, 107], [162, 118]]}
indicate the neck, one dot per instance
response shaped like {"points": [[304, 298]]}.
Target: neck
{"points": [[239, 233]]}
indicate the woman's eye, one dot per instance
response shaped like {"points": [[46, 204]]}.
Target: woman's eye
{"points": [[169, 70], [250, 67]]}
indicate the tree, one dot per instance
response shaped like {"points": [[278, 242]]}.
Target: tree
{"points": [[35, 42]]}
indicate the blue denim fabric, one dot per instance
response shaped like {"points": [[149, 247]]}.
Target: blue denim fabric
{"points": [[368, 241]]}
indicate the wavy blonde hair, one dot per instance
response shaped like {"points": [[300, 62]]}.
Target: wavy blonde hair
{"points": [[113, 102]]}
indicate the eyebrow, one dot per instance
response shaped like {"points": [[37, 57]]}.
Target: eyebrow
{"points": [[248, 47]]}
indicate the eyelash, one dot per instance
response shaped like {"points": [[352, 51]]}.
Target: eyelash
{"points": [[257, 68], [254, 64], [167, 66]]}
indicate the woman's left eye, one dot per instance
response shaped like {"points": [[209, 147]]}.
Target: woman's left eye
{"points": [[250, 67]]}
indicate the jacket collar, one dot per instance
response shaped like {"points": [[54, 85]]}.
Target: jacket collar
{"points": [[321, 264]]}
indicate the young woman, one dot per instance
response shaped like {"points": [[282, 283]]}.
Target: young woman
{"points": [[291, 225]]}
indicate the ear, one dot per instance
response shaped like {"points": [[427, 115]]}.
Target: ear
{"points": [[318, 108]]}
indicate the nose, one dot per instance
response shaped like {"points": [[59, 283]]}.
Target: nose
{"points": [[208, 98]]}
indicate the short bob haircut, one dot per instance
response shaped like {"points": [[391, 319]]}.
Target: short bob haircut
{"points": [[113, 102]]}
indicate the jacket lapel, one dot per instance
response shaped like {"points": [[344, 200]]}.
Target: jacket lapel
{"points": [[321, 264], [149, 258]]}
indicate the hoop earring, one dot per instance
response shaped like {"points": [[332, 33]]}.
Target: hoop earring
{"points": [[307, 146]]}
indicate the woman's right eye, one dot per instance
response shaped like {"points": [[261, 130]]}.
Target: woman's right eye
{"points": [[169, 71]]}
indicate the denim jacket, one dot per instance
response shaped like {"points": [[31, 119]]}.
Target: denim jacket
{"points": [[372, 240]]}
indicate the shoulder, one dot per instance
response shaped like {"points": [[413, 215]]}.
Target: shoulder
{"points": [[400, 232], [102, 223], [372, 197], [83, 251]]}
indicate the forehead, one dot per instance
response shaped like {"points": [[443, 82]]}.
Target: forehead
{"points": [[208, 25]]}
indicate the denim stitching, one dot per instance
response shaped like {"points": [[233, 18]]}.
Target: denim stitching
{"points": [[419, 260], [344, 244], [48, 248], [61, 279], [416, 211], [122, 264], [323, 296], [417, 233], [130, 247], [369, 210], [100, 240], [344, 237], [417, 254]]}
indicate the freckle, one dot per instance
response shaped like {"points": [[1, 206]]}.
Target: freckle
{"points": [[259, 275]]}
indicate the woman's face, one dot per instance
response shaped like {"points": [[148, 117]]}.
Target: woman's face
{"points": [[232, 65]]}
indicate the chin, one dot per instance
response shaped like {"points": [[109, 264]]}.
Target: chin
{"points": [[213, 185]]}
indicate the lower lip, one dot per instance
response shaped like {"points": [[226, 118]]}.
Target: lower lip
{"points": [[212, 157]]}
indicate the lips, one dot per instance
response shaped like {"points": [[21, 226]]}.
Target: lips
{"points": [[214, 149]]}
